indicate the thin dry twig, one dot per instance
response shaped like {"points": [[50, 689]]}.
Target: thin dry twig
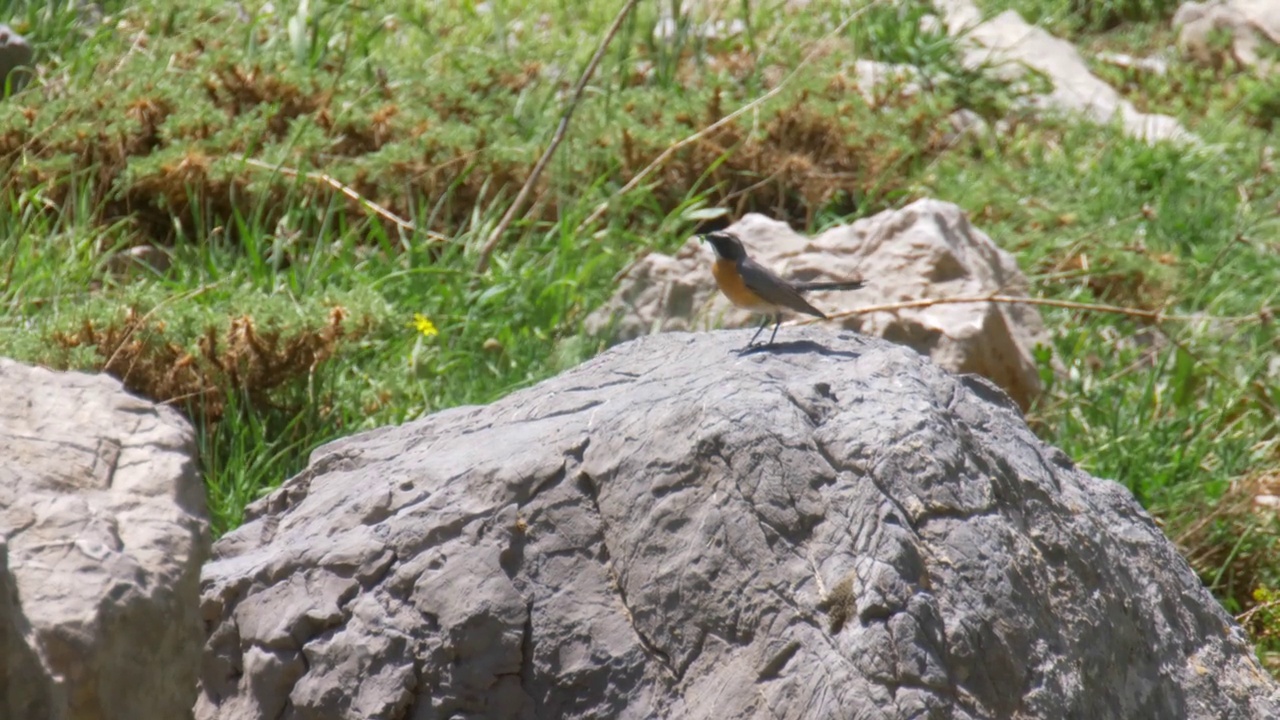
{"points": [[561, 130], [1156, 316], [666, 155], [350, 192], [1244, 617]]}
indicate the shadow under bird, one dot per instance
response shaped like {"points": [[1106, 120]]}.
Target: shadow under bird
{"points": [[754, 287]]}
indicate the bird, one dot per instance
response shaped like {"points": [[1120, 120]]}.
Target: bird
{"points": [[754, 287]]}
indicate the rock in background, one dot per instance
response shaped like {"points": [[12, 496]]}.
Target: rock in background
{"points": [[103, 518], [927, 250], [1251, 28], [1013, 45], [830, 528], [15, 54]]}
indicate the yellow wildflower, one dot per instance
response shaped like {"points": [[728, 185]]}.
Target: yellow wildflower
{"points": [[424, 325]]}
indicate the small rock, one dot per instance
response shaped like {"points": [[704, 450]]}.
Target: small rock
{"points": [[1154, 65], [15, 61], [872, 75], [140, 258], [1251, 25], [966, 125]]}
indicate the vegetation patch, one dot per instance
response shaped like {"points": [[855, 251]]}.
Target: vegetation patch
{"points": [[1233, 545], [255, 363]]}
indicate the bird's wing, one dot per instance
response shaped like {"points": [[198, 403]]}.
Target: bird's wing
{"points": [[763, 282]]}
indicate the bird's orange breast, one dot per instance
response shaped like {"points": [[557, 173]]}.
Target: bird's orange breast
{"points": [[730, 282]]}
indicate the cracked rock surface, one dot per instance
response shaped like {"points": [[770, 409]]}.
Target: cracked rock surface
{"points": [[832, 528], [102, 533]]}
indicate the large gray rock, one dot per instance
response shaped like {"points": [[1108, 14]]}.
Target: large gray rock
{"points": [[102, 517], [26, 691], [831, 528]]}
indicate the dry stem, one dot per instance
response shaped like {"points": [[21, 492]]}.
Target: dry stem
{"points": [[561, 130], [1156, 316], [345, 190]]}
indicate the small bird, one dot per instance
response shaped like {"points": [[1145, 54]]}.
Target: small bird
{"points": [[754, 287]]}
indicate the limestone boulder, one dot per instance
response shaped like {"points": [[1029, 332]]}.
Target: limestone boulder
{"points": [[925, 251], [26, 689], [103, 522], [833, 527]]}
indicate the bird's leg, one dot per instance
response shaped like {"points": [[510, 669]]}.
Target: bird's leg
{"points": [[763, 325], [777, 321]]}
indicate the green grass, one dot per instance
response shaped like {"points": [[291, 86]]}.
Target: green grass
{"points": [[159, 132], [1083, 19]]}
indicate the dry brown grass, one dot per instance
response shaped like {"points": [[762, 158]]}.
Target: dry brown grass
{"points": [[168, 162], [137, 350], [1233, 545], [803, 159]]}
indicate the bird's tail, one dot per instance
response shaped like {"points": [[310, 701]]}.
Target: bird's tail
{"points": [[846, 285]]}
